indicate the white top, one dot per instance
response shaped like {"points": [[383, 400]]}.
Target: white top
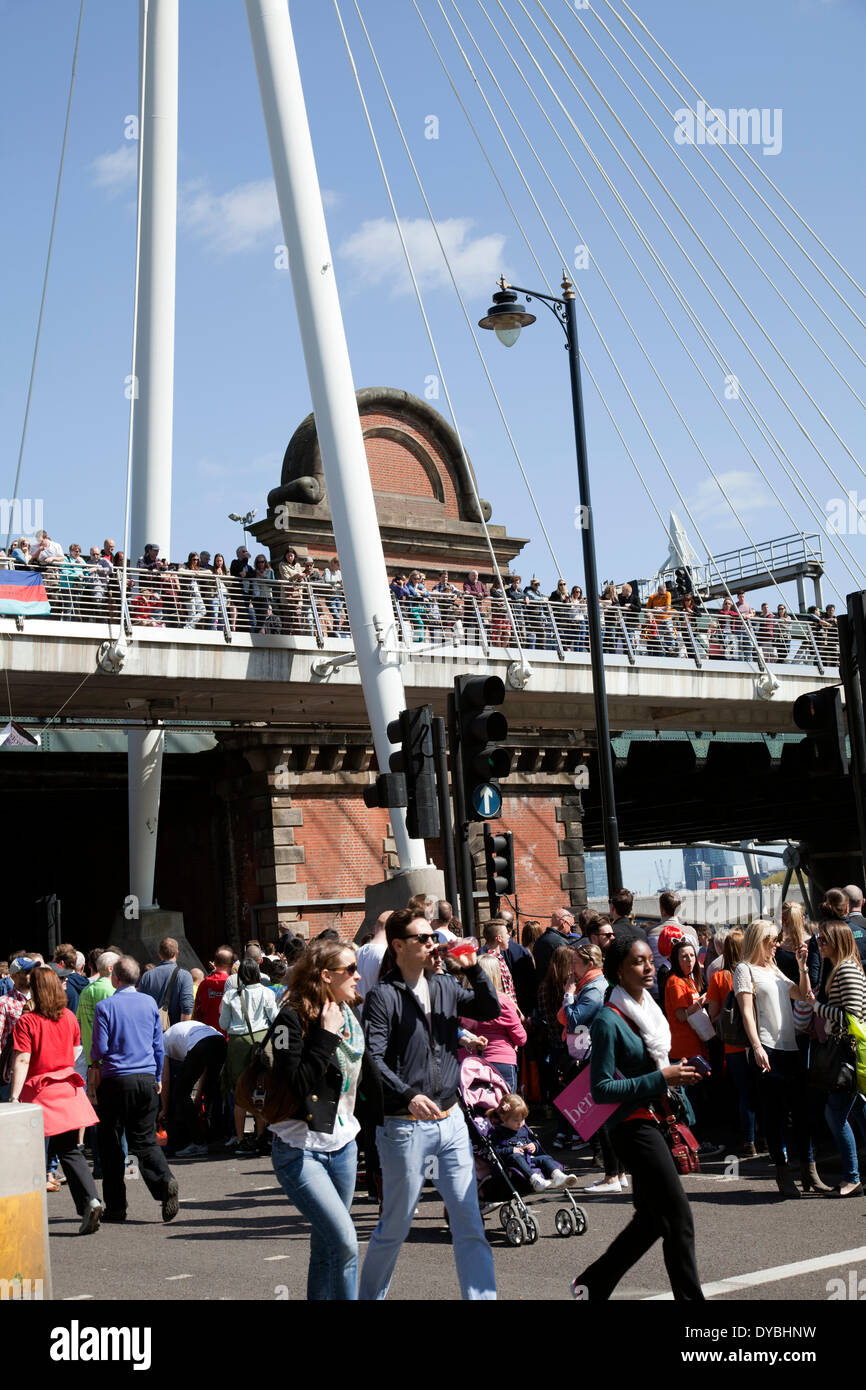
{"points": [[369, 964], [421, 992], [775, 1013], [262, 1008], [180, 1037], [346, 1124]]}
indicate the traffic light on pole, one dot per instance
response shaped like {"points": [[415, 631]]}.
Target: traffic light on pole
{"points": [[417, 763], [819, 715], [389, 789], [499, 862], [482, 729]]}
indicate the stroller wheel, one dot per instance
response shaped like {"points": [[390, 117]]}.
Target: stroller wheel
{"points": [[505, 1215], [531, 1230], [580, 1223], [514, 1232], [565, 1223]]}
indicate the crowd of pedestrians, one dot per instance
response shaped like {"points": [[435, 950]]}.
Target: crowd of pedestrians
{"points": [[723, 1033], [294, 594]]}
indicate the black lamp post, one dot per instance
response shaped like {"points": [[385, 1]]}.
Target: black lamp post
{"points": [[506, 316]]}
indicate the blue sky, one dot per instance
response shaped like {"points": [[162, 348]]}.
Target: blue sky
{"points": [[240, 383]]}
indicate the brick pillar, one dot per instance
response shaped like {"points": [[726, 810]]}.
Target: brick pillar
{"points": [[570, 847]]}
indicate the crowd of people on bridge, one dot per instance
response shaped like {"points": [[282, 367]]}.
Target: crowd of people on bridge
{"points": [[295, 594], [729, 1031]]}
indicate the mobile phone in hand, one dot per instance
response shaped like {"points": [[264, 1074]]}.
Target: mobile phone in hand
{"points": [[701, 1065]]}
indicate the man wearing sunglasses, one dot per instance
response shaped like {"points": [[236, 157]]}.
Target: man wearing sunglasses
{"points": [[410, 1019]]}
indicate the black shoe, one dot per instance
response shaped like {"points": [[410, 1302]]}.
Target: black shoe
{"points": [[170, 1202], [112, 1217]]}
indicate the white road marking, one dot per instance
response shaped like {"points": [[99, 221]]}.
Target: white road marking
{"points": [[268, 1258], [771, 1276], [76, 1297], [169, 1278]]}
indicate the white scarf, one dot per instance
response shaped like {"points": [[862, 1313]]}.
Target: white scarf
{"points": [[650, 1022]]}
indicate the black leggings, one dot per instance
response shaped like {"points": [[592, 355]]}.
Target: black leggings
{"points": [[661, 1210], [76, 1169]]}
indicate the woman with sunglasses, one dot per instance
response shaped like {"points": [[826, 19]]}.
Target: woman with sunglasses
{"points": [[765, 997], [845, 992], [322, 1057]]}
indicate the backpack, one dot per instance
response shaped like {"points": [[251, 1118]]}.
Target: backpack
{"points": [[258, 1089], [729, 1024]]}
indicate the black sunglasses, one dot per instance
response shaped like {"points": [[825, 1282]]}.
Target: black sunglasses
{"points": [[347, 969], [424, 936]]}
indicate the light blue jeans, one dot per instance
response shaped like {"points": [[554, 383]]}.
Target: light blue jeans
{"points": [[412, 1151], [321, 1186], [836, 1112]]}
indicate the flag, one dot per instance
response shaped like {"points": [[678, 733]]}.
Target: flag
{"points": [[16, 736], [22, 593]]}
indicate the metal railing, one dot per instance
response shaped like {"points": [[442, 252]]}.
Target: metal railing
{"points": [[199, 601], [800, 551]]}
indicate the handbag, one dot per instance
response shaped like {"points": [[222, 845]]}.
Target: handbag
{"points": [[858, 1034], [729, 1024], [678, 1137], [833, 1064], [259, 1089]]}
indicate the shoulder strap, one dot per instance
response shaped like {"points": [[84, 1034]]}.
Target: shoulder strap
{"points": [[246, 1012], [166, 993], [631, 1025]]}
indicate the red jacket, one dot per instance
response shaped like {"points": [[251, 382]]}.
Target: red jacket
{"points": [[208, 999]]}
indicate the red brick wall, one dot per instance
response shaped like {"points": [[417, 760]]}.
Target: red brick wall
{"points": [[343, 841], [393, 469]]}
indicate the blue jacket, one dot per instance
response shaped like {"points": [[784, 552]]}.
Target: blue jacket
{"points": [[412, 1058], [586, 1005]]}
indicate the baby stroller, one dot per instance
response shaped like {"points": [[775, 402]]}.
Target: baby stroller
{"points": [[481, 1089]]}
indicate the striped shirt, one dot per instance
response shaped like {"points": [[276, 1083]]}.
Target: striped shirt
{"points": [[847, 995]]}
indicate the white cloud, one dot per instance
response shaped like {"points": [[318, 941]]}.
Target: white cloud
{"points": [[241, 219], [376, 253], [117, 170], [744, 491]]}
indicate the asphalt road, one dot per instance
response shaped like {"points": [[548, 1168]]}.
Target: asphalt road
{"points": [[237, 1238]]}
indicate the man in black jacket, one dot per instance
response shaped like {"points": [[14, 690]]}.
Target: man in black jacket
{"points": [[410, 1019]]}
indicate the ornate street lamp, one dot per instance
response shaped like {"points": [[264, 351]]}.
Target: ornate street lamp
{"points": [[506, 317]]}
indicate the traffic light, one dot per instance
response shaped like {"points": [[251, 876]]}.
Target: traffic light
{"points": [[389, 789], [819, 714], [499, 862], [416, 762], [482, 731]]}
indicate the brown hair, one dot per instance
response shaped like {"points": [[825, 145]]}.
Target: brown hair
{"points": [[66, 955], [559, 972], [492, 929], [587, 920], [622, 900], [511, 1105], [841, 943], [48, 994], [589, 953], [530, 934], [732, 950], [794, 921], [308, 992], [835, 907], [669, 902]]}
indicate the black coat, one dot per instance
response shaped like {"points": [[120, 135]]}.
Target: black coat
{"points": [[309, 1064], [522, 967]]}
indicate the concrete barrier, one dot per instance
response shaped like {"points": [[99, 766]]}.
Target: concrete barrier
{"points": [[25, 1268]]}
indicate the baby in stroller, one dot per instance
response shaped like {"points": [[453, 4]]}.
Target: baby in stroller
{"points": [[518, 1149]]}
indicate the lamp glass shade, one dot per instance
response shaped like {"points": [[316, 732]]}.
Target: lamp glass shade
{"points": [[508, 336]]}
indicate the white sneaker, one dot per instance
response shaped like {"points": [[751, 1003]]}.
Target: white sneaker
{"points": [[623, 1182], [539, 1183], [557, 1178], [609, 1185], [90, 1217]]}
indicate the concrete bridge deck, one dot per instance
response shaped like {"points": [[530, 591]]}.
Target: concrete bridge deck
{"points": [[175, 674]]}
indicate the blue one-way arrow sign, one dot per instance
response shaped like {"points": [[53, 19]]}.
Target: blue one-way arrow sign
{"points": [[487, 801]]}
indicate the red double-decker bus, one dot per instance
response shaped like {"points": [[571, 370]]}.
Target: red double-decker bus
{"points": [[729, 883]]}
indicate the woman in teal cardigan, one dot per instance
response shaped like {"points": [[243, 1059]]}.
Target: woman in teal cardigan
{"points": [[631, 1037]]}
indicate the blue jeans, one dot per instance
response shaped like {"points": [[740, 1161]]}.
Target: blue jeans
{"points": [[508, 1072], [737, 1064], [321, 1186], [836, 1113], [410, 1152]]}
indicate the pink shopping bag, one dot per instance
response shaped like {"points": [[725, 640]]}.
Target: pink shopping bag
{"points": [[579, 1108]]}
